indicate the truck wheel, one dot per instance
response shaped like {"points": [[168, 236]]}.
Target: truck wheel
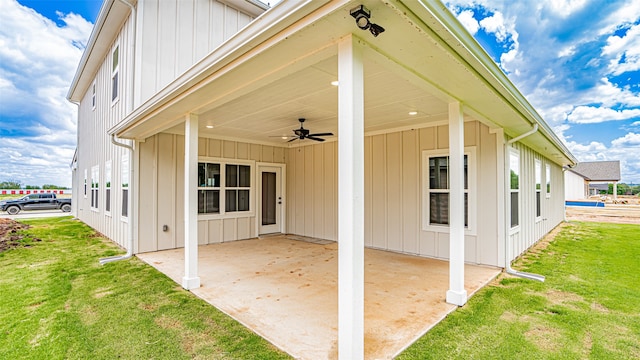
{"points": [[12, 210], [66, 208]]}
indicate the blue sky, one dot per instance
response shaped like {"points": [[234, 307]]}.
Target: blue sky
{"points": [[576, 61]]}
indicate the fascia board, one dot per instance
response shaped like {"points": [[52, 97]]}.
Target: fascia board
{"points": [[453, 33], [281, 17], [112, 15]]}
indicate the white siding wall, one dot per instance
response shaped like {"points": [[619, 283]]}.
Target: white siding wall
{"points": [[574, 186], [95, 148], [530, 229], [175, 34], [393, 192], [162, 188]]}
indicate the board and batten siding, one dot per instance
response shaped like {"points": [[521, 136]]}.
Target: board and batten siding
{"points": [[531, 228], [162, 191], [95, 147], [393, 192], [175, 34], [575, 186]]}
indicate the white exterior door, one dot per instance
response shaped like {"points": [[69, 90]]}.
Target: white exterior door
{"points": [[270, 202]]}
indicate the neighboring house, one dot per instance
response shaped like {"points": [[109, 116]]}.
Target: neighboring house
{"points": [[589, 178], [185, 108]]}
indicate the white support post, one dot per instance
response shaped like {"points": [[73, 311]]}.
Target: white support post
{"points": [[456, 294], [615, 190], [191, 279], [350, 200]]}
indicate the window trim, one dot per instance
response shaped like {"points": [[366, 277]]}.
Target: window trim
{"points": [[472, 164], [85, 182], [115, 73], [537, 167], [93, 96], [547, 188], [125, 184], [95, 188], [516, 228], [223, 214]]}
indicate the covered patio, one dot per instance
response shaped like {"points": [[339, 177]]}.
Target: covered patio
{"points": [[285, 288]]}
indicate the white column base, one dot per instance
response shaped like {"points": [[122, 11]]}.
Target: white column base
{"points": [[458, 298], [191, 283]]}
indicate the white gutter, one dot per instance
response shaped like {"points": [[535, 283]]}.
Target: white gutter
{"points": [[507, 260], [132, 48], [487, 66]]}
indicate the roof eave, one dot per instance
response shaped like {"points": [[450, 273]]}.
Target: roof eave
{"points": [[281, 16], [480, 60]]}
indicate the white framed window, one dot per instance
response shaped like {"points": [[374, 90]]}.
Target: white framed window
{"points": [[85, 183], [548, 179], [95, 178], [538, 173], [93, 96], [225, 188], [115, 69], [514, 187], [124, 185], [435, 190], [107, 187]]}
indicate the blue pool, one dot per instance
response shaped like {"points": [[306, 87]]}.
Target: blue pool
{"points": [[585, 203]]}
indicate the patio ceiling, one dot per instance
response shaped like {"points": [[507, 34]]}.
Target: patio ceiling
{"points": [[269, 113], [256, 86]]}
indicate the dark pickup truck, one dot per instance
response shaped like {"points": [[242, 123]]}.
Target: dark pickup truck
{"points": [[35, 202]]}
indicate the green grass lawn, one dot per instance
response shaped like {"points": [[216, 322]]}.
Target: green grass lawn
{"points": [[57, 302], [588, 307]]}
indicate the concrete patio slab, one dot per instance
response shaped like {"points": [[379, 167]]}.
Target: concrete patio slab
{"points": [[285, 290]]}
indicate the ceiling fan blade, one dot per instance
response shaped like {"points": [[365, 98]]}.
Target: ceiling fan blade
{"points": [[315, 138], [294, 139], [321, 134]]}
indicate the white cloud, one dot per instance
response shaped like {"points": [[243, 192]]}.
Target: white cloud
{"points": [[592, 115], [466, 18], [626, 51], [564, 8], [567, 51], [630, 139], [495, 24], [627, 13], [38, 59]]}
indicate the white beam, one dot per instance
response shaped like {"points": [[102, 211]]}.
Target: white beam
{"points": [[350, 200], [456, 294], [191, 279], [615, 190]]}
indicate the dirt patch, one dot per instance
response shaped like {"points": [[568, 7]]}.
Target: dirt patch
{"points": [[543, 337], [611, 213], [12, 235], [561, 297]]}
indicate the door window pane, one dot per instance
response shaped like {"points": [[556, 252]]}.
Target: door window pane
{"points": [[268, 198]]}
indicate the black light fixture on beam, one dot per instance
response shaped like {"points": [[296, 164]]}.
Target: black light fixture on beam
{"points": [[362, 15]]}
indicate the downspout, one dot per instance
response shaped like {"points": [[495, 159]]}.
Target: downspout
{"points": [[131, 66], [129, 206], [507, 261]]}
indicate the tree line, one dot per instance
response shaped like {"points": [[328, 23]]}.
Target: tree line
{"points": [[15, 184]]}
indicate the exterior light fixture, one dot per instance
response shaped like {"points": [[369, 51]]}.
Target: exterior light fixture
{"points": [[362, 15], [209, 126], [413, 113]]}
